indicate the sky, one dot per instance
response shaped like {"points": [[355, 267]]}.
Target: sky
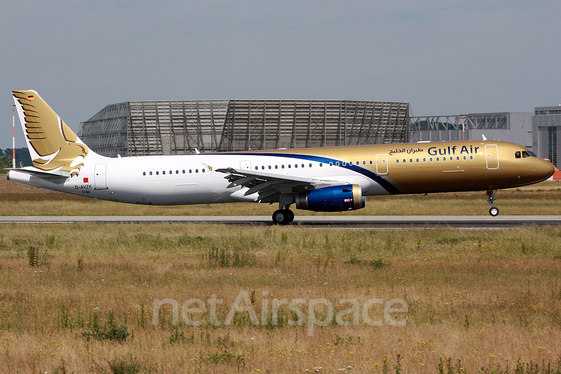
{"points": [[444, 57]]}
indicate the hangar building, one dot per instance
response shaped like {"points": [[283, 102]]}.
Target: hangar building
{"points": [[137, 128], [515, 127], [546, 124]]}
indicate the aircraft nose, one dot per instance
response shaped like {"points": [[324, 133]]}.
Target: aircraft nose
{"points": [[543, 169]]}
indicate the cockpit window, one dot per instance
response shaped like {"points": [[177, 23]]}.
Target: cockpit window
{"points": [[524, 154]]}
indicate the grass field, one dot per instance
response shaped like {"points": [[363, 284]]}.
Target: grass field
{"points": [[82, 298], [79, 298]]}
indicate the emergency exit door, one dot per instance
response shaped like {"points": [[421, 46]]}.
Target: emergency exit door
{"points": [[382, 164]]}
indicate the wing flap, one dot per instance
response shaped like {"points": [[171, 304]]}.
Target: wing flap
{"points": [[234, 176], [271, 185]]}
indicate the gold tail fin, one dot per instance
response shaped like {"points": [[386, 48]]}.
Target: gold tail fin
{"points": [[52, 144]]}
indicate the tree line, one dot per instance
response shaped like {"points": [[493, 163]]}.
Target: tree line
{"points": [[22, 156]]}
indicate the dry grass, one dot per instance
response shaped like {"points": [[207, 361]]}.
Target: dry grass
{"points": [[486, 298]]}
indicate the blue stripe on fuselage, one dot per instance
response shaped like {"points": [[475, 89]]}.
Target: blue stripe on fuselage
{"points": [[367, 173]]}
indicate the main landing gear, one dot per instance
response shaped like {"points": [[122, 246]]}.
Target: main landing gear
{"points": [[283, 217], [494, 211]]}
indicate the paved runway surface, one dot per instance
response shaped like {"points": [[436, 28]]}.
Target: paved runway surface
{"points": [[333, 221]]}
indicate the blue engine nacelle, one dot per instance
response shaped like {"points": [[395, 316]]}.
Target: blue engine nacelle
{"points": [[332, 199]]}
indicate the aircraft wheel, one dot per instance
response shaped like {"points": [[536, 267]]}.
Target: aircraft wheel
{"points": [[494, 211], [280, 217], [290, 215]]}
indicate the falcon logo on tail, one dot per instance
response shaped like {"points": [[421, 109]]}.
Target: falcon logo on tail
{"points": [[52, 144]]}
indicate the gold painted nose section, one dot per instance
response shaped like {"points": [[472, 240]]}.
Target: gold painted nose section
{"points": [[542, 169]]}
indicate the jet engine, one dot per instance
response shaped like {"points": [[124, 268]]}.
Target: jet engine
{"points": [[332, 199]]}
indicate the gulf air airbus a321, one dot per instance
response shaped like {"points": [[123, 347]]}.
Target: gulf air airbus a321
{"points": [[331, 179]]}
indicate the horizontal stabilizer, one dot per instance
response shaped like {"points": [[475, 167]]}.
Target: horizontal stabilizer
{"points": [[42, 173]]}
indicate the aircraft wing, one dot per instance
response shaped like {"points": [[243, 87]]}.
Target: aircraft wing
{"points": [[270, 186]]}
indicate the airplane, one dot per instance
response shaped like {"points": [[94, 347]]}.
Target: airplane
{"points": [[328, 179]]}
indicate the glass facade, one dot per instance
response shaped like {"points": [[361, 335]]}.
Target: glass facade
{"points": [[552, 144]]}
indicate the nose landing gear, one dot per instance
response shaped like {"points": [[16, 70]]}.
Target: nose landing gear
{"points": [[494, 211]]}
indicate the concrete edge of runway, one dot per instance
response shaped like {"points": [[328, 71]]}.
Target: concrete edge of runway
{"points": [[342, 220]]}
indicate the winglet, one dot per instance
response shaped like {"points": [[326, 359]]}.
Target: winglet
{"points": [[53, 146]]}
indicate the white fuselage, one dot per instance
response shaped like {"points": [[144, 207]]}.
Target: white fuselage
{"points": [[187, 179]]}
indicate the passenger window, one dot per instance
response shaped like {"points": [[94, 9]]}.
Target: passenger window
{"points": [[397, 161], [170, 172], [263, 167], [177, 172], [164, 172], [289, 166], [150, 173], [320, 164], [276, 166], [370, 162], [344, 164], [417, 160], [331, 164], [310, 165], [337, 163], [183, 171], [471, 157], [196, 170], [282, 166], [424, 159], [302, 165], [411, 160], [157, 173], [404, 161], [143, 173], [438, 159], [430, 159], [296, 165], [269, 167], [465, 158], [257, 168], [190, 171], [517, 154], [203, 170]]}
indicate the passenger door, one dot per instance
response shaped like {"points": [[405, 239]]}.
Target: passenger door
{"points": [[100, 177], [492, 156]]}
